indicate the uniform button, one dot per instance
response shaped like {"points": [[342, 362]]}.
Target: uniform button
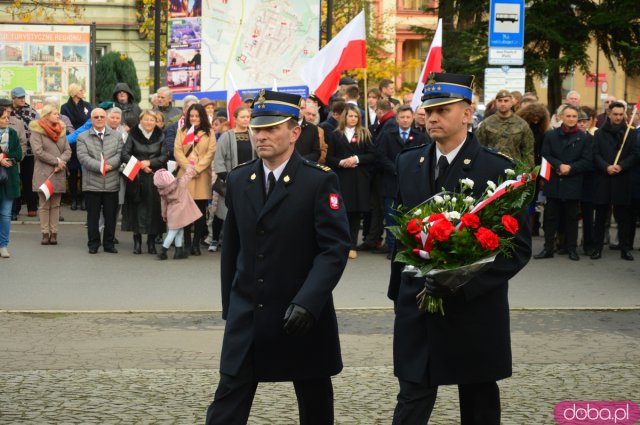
{"points": [[260, 306], [260, 281], [260, 256]]}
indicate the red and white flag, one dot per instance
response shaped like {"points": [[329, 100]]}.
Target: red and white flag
{"points": [[103, 165], [433, 63], [545, 169], [191, 136], [47, 189], [233, 99], [132, 168], [347, 50]]}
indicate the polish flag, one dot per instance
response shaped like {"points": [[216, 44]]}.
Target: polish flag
{"points": [[433, 63], [47, 189], [545, 169], [344, 52], [103, 165], [191, 137], [275, 85], [132, 168], [233, 99]]}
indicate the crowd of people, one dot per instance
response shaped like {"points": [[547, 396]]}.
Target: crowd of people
{"points": [[64, 146]]}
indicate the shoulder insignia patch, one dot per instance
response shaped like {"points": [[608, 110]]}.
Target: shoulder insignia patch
{"points": [[322, 167], [504, 155]]}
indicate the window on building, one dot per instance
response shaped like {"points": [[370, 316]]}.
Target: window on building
{"points": [[415, 4], [414, 49], [101, 50]]}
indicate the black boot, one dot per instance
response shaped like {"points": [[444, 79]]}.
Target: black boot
{"points": [[187, 239], [151, 244], [163, 254], [74, 204], [137, 243], [179, 253], [83, 206], [195, 249]]}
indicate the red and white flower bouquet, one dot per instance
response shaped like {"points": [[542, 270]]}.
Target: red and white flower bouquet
{"points": [[452, 236]]}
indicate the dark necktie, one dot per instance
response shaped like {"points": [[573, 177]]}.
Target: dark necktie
{"points": [[100, 136], [271, 184], [443, 164], [404, 137]]}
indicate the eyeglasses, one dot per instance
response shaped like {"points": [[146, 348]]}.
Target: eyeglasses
{"points": [[100, 117]]}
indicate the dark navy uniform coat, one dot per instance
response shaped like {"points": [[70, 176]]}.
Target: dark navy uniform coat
{"points": [[471, 343], [290, 249]]}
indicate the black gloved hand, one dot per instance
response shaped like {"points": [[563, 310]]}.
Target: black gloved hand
{"points": [[297, 320], [436, 290]]}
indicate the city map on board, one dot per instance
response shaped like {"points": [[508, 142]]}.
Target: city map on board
{"points": [[258, 42]]}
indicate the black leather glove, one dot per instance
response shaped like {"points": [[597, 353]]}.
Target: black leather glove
{"points": [[297, 320], [436, 290]]}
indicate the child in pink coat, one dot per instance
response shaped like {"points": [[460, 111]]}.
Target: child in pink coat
{"points": [[178, 208]]}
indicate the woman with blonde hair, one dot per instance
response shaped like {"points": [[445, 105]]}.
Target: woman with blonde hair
{"points": [[196, 145], [350, 153], [51, 152], [141, 212], [78, 111]]}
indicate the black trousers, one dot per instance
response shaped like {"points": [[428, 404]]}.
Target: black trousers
{"points": [[26, 176], [623, 216], [354, 227], [107, 202], [587, 210], [74, 179], [234, 397], [376, 220], [635, 215], [199, 226], [555, 212], [479, 404]]}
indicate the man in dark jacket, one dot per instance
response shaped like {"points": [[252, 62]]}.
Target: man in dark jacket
{"points": [[470, 345], [308, 144], [285, 248], [612, 180], [123, 98], [568, 151], [390, 144]]}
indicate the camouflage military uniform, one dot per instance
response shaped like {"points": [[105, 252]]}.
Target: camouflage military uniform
{"points": [[510, 136]]}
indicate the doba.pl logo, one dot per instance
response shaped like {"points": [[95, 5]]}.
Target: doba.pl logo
{"points": [[596, 412]]}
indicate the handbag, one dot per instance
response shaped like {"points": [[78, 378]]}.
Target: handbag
{"points": [[220, 187]]}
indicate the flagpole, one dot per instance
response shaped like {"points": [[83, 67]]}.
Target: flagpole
{"points": [[626, 134], [366, 101]]}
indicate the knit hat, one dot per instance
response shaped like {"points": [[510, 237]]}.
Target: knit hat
{"points": [[162, 178]]}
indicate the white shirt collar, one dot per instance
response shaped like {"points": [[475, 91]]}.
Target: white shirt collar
{"points": [[451, 155], [276, 173], [349, 132], [103, 131]]}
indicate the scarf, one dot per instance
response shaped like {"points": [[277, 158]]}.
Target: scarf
{"points": [[569, 131], [77, 112], [53, 131]]}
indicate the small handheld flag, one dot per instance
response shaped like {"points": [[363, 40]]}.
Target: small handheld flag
{"points": [[132, 168], [47, 189], [545, 169]]}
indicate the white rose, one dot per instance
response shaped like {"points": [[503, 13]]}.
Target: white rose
{"points": [[447, 197], [468, 183], [452, 215], [438, 199], [489, 192], [491, 185], [469, 200], [509, 172], [454, 200], [417, 212]]}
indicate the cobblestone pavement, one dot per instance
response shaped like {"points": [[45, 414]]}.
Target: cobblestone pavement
{"points": [[161, 368]]}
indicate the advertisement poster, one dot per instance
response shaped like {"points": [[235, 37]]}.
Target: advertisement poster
{"points": [[261, 43], [44, 59]]}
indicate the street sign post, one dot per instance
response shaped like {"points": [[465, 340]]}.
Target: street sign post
{"points": [[506, 32]]}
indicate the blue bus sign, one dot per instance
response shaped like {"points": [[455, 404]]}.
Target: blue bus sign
{"points": [[506, 27]]}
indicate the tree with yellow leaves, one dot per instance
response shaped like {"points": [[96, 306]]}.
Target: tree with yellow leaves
{"points": [[50, 11]]}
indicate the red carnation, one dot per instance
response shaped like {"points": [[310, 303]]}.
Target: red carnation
{"points": [[487, 239], [435, 217], [510, 224], [441, 229], [470, 220], [414, 226]]}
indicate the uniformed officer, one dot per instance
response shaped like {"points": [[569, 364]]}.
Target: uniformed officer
{"points": [[286, 245], [470, 345]]}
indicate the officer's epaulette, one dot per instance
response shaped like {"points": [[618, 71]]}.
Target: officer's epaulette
{"points": [[245, 163], [495, 152], [317, 166]]}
